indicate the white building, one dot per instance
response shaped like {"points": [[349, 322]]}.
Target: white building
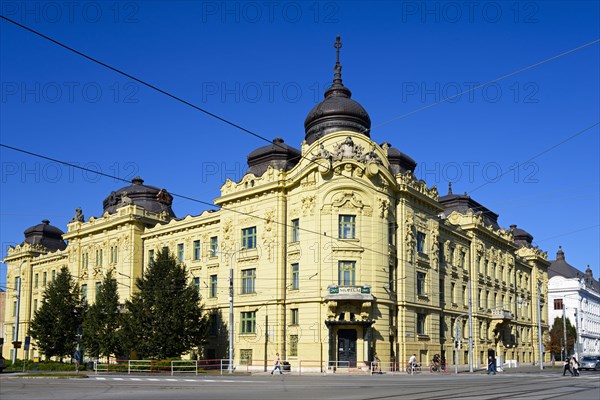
{"points": [[579, 294]]}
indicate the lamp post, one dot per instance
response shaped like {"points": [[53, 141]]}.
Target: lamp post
{"points": [[541, 344], [564, 334], [230, 365], [17, 307]]}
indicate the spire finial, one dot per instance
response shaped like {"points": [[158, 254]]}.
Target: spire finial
{"points": [[449, 188], [337, 70]]}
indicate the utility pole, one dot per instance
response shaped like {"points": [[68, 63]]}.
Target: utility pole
{"points": [[470, 329], [564, 334], [230, 365], [17, 307], [541, 344]]}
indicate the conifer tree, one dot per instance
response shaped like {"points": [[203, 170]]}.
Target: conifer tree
{"points": [[165, 316], [55, 323], [102, 321]]}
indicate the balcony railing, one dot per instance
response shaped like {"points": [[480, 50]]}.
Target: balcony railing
{"points": [[502, 314]]}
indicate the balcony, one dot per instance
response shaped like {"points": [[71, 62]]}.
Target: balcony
{"points": [[503, 315]]}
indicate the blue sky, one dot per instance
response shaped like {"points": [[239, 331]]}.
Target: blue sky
{"points": [[518, 145]]}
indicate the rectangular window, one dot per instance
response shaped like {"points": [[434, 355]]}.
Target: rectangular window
{"points": [[347, 227], [453, 292], [16, 287], [99, 257], [421, 276], [346, 273], [249, 238], [214, 324], [465, 296], [463, 259], [36, 280], [53, 275], [180, 253], [421, 324], [391, 233], [98, 284], [442, 291], [295, 276], [248, 280], [451, 256], [214, 246], [295, 230], [113, 254], [83, 293], [14, 308], [248, 322], [479, 303], [35, 305], [421, 243], [213, 286], [558, 304], [45, 278], [196, 249], [245, 356], [197, 283], [441, 255], [294, 316], [150, 257], [293, 345]]}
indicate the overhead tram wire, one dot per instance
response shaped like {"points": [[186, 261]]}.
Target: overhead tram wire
{"points": [[224, 120], [330, 167], [485, 84], [162, 91], [192, 199]]}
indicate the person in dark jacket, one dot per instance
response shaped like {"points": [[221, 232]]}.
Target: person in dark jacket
{"points": [[567, 367]]}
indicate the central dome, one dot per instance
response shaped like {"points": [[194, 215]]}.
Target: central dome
{"points": [[337, 111]]}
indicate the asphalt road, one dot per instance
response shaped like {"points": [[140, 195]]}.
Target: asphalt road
{"points": [[531, 386]]}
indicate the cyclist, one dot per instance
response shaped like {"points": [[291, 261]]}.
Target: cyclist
{"points": [[436, 362], [412, 363]]}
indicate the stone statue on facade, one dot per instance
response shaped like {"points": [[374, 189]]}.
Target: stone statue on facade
{"points": [[78, 217]]}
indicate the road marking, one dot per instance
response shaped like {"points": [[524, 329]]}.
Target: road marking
{"points": [[153, 379], [101, 379], [171, 380], [118, 379], [135, 379]]}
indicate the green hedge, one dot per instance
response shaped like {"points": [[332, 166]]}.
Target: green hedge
{"points": [[42, 366]]}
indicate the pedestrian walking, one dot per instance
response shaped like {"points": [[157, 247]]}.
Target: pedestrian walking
{"points": [[567, 367], [575, 366], [376, 366], [491, 366], [277, 364]]}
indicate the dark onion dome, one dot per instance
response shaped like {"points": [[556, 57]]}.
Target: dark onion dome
{"points": [[399, 162], [337, 111], [278, 155], [150, 198], [46, 235], [521, 237], [464, 204]]}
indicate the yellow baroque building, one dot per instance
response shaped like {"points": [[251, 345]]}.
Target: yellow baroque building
{"points": [[337, 253]]}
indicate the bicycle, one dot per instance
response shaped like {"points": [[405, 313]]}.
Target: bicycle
{"points": [[441, 367], [413, 369]]}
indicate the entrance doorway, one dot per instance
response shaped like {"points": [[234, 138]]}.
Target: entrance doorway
{"points": [[347, 348]]}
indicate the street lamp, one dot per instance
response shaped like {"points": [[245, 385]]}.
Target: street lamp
{"points": [[230, 365], [17, 307]]}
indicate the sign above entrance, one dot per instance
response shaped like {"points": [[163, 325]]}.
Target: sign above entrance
{"points": [[349, 293]]}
